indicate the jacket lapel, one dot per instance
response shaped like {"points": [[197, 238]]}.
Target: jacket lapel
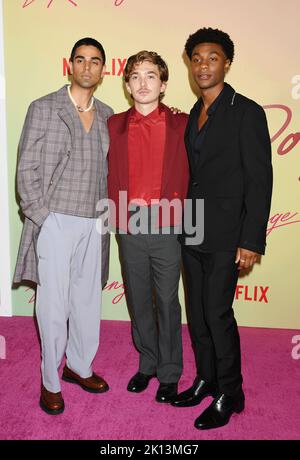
{"points": [[170, 150], [212, 141], [122, 136], [102, 125], [193, 114], [64, 110]]}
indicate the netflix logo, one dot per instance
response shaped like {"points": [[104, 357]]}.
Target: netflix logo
{"points": [[252, 293], [115, 67], [242, 292]]}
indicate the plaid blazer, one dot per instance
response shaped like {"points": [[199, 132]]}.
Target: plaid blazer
{"points": [[44, 150]]}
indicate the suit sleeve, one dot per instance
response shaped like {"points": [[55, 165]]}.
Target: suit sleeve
{"points": [[29, 176], [112, 178], [110, 113], [256, 158]]}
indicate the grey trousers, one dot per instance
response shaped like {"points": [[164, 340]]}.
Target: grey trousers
{"points": [[151, 269], [68, 299]]}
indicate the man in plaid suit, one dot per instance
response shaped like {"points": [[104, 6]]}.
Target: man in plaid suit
{"points": [[62, 174]]}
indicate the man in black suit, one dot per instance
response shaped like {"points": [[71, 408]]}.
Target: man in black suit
{"points": [[229, 151]]}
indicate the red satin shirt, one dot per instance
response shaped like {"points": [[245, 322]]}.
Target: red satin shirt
{"points": [[146, 145]]}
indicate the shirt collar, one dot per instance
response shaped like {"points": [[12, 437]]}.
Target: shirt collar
{"points": [[154, 116], [213, 106]]}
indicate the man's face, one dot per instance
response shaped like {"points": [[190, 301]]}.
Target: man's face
{"points": [[209, 65], [87, 67], [145, 84]]}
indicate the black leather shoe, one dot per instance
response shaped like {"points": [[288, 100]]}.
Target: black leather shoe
{"points": [[166, 392], [194, 395], [139, 382], [220, 410]]}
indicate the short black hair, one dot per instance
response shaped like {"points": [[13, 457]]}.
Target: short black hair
{"points": [[87, 41], [209, 35]]}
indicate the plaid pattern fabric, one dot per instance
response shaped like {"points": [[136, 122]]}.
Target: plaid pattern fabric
{"points": [[81, 184], [47, 143]]}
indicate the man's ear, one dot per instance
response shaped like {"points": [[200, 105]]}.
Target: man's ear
{"points": [[71, 66], [163, 87], [128, 87], [227, 65], [103, 71]]}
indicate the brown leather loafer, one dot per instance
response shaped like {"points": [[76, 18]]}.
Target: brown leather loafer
{"points": [[93, 384], [51, 403]]}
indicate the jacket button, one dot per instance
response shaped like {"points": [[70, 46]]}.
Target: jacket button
{"points": [[195, 184], [51, 182]]}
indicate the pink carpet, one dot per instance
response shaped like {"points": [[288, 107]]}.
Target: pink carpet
{"points": [[271, 385]]}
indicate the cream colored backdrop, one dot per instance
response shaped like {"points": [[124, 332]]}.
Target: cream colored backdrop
{"points": [[39, 35]]}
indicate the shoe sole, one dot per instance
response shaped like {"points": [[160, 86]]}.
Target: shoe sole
{"points": [[143, 389], [163, 402], [237, 410], [137, 391], [90, 390], [49, 411]]}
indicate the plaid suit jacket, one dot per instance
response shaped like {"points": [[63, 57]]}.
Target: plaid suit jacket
{"points": [[44, 151]]}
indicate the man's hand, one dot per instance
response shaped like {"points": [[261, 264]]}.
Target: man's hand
{"points": [[175, 110], [245, 258]]}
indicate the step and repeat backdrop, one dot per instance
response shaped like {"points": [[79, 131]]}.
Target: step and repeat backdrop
{"points": [[38, 37]]}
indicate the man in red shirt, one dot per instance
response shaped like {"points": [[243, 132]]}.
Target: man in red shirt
{"points": [[148, 166]]}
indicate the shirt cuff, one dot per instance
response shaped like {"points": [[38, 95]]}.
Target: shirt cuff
{"points": [[40, 216]]}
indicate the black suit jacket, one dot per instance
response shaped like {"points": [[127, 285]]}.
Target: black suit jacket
{"points": [[233, 175]]}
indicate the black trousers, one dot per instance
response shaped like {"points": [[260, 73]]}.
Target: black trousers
{"points": [[210, 280], [151, 270]]}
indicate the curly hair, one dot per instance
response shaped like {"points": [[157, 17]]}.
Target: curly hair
{"points": [[209, 35], [149, 56]]}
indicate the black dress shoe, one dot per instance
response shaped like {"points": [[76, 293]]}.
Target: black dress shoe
{"points": [[220, 410], [194, 395], [166, 392], [139, 382]]}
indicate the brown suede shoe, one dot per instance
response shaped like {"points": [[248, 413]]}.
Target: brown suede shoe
{"points": [[52, 403], [93, 384]]}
